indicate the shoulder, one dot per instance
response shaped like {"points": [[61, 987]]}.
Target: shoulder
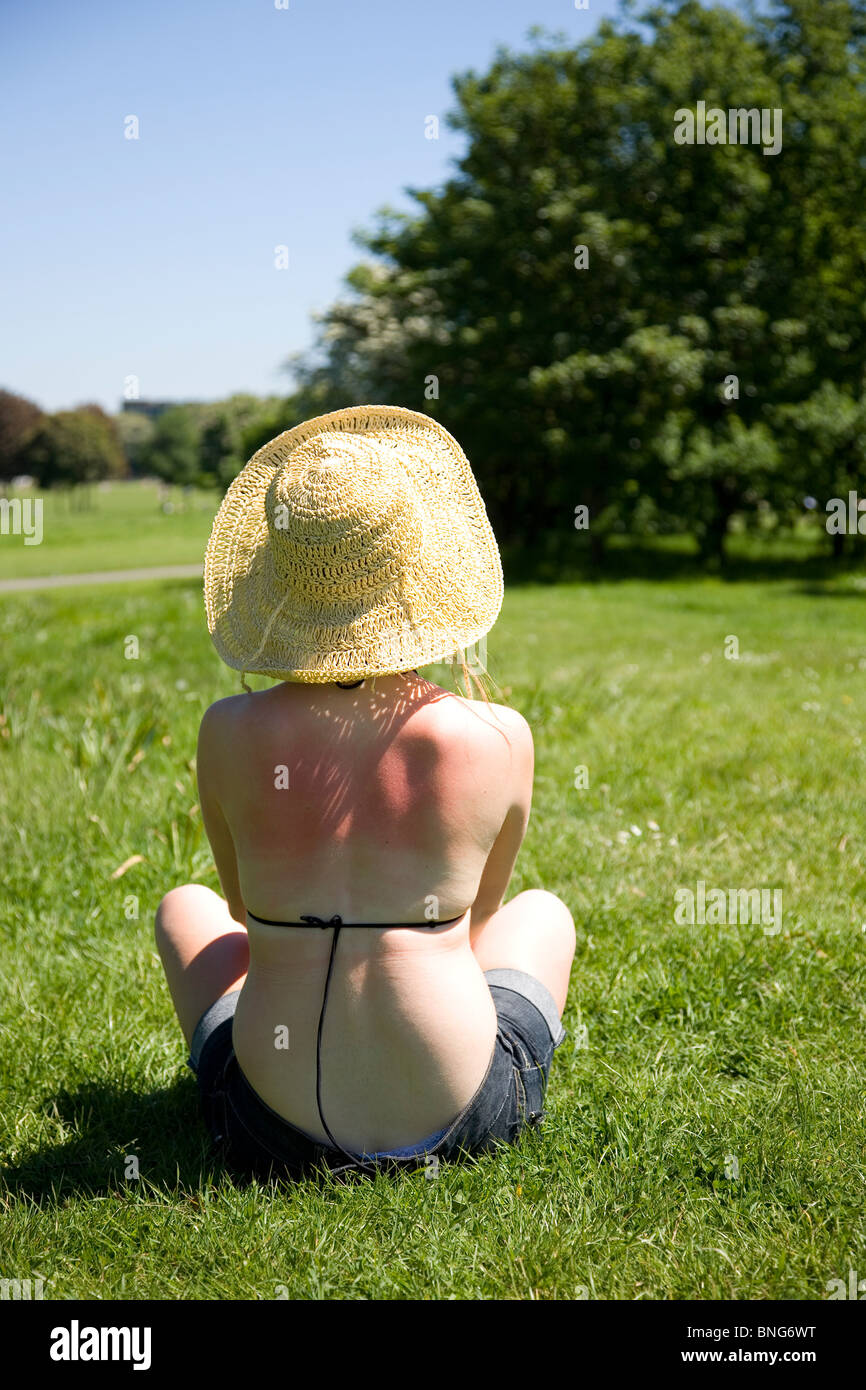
{"points": [[222, 711], [497, 725], [223, 720], [501, 717]]}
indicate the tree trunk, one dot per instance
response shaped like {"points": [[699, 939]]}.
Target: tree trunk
{"points": [[596, 548], [712, 542]]}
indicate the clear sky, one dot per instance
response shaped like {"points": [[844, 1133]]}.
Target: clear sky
{"points": [[258, 127]]}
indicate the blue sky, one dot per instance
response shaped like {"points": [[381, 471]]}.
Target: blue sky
{"points": [[258, 127]]}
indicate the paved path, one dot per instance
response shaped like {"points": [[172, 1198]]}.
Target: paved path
{"points": [[63, 581]]}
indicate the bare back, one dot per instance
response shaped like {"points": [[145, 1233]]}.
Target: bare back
{"points": [[395, 802]]}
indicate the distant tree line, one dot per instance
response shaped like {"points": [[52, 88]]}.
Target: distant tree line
{"points": [[70, 449], [190, 445], [206, 445], [667, 335]]}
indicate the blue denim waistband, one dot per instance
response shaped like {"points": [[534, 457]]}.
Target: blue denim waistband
{"points": [[210, 1020], [519, 982]]}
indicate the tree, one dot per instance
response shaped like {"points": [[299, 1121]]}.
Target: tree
{"points": [[823, 439], [603, 315], [73, 447], [18, 419], [172, 453], [222, 444], [135, 432]]}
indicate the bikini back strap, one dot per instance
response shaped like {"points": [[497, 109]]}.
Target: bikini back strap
{"points": [[307, 919]]}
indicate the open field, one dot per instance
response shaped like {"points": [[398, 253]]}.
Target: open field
{"points": [[114, 526], [125, 525], [705, 1121]]}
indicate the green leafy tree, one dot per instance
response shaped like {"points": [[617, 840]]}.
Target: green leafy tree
{"points": [[277, 415], [135, 432], [823, 439], [18, 419], [222, 444], [172, 453], [73, 448], [603, 315]]}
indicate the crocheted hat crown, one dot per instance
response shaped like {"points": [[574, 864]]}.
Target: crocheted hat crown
{"points": [[356, 544]]}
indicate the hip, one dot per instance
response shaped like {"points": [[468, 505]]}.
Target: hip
{"points": [[404, 1044], [510, 1096]]}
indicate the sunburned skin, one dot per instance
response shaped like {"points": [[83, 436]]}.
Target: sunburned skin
{"points": [[380, 804]]}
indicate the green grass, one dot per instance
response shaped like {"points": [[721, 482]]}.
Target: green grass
{"points": [[123, 525], [700, 1042], [113, 526]]}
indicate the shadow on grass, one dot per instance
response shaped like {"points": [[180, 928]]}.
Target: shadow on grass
{"points": [[816, 590], [165, 1133], [556, 562], [668, 559], [162, 1130]]}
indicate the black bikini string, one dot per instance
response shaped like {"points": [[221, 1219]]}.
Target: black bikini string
{"points": [[336, 922]]}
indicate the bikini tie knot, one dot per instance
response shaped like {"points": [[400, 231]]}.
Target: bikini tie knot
{"points": [[335, 921]]}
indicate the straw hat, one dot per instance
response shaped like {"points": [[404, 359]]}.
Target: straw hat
{"points": [[354, 545]]}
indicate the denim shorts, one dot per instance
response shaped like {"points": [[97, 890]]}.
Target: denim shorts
{"points": [[251, 1138]]}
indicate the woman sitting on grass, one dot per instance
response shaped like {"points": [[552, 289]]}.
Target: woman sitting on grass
{"points": [[361, 995]]}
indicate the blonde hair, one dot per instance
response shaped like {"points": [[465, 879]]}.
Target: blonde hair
{"points": [[480, 677]]}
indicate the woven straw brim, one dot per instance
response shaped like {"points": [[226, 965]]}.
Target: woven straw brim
{"points": [[388, 561]]}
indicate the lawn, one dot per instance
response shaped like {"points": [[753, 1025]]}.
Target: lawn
{"points": [[705, 1122], [111, 526]]}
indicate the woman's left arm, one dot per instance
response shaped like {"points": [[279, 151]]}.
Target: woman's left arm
{"points": [[215, 824]]}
